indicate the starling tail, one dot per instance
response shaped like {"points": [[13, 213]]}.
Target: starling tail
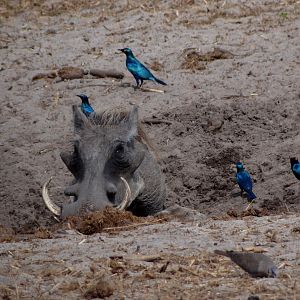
{"points": [[159, 81], [251, 196]]}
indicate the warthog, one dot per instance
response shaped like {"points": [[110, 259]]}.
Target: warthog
{"points": [[113, 164]]}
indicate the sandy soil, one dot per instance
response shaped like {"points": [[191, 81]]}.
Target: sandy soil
{"points": [[157, 261], [240, 104]]}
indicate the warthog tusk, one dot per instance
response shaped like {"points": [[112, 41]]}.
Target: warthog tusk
{"points": [[50, 205], [126, 201]]}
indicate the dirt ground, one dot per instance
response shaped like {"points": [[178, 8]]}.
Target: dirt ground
{"points": [[233, 93]]}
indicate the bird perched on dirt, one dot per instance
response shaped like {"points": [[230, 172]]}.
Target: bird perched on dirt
{"points": [[295, 166], [137, 69], [85, 105], [244, 181], [256, 264]]}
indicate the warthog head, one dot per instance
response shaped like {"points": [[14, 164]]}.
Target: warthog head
{"points": [[106, 161]]}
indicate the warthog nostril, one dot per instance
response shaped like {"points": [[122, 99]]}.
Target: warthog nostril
{"points": [[71, 190], [111, 196], [111, 192]]}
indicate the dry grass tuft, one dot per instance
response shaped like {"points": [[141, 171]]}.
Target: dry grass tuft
{"points": [[196, 61]]}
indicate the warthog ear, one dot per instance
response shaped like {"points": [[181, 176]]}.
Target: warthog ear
{"points": [[133, 123], [80, 120]]}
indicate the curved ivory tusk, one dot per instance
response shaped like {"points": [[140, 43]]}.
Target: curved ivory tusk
{"points": [[126, 201], [50, 205]]}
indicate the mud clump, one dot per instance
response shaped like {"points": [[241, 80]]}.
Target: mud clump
{"points": [[109, 218], [255, 212], [43, 233], [99, 288], [6, 234]]}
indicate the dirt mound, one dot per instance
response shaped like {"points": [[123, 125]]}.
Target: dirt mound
{"points": [[206, 140], [110, 219], [154, 259]]}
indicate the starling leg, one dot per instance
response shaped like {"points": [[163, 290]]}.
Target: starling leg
{"points": [[137, 81]]}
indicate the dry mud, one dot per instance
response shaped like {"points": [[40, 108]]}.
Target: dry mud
{"points": [[233, 74]]}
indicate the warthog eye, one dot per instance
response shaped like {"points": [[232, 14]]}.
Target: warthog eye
{"points": [[77, 164], [119, 150], [121, 156]]}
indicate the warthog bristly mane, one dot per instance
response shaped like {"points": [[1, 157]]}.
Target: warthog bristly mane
{"points": [[115, 117]]}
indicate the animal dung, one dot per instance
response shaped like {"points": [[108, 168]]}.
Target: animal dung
{"points": [[106, 73], [50, 75], [70, 73]]}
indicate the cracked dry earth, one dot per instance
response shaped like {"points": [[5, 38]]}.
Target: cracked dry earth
{"points": [[220, 106]]}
